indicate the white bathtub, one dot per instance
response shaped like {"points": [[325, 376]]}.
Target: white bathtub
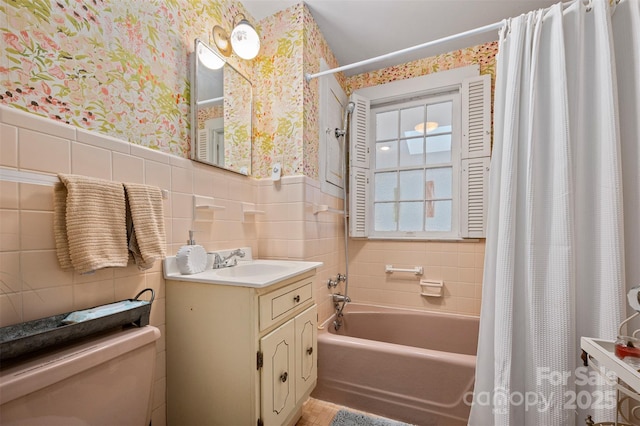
{"points": [[407, 365]]}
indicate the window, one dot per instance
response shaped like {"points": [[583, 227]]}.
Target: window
{"points": [[419, 159]]}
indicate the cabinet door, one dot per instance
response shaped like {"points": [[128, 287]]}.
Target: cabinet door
{"points": [[277, 383], [306, 351]]}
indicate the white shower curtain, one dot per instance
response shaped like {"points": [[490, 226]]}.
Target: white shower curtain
{"points": [[563, 210]]}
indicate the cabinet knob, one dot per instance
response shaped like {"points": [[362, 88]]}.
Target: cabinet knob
{"points": [[296, 298], [284, 376], [310, 350]]}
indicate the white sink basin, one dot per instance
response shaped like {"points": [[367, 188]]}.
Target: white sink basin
{"points": [[252, 269], [247, 273]]}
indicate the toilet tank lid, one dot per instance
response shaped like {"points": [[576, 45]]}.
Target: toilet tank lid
{"points": [[21, 378]]}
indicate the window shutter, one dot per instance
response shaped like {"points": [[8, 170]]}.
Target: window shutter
{"points": [[475, 152], [358, 202], [475, 185], [476, 117], [203, 144], [359, 167], [358, 134]]}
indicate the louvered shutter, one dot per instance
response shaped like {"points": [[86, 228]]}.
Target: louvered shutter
{"points": [[358, 202], [475, 155], [203, 144], [474, 186], [359, 168], [358, 134], [476, 117]]}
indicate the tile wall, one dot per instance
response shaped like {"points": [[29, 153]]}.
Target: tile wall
{"points": [[458, 264], [33, 286]]}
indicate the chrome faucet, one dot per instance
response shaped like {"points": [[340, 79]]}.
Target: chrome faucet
{"points": [[227, 261], [337, 298]]}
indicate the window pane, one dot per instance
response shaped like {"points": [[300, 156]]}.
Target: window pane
{"points": [[386, 154], [409, 119], [438, 183], [410, 215], [439, 149], [438, 216], [384, 219], [387, 125], [441, 114], [386, 186], [411, 185], [411, 152]]}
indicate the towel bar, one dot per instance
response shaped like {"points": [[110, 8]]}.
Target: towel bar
{"points": [[418, 270], [35, 178]]}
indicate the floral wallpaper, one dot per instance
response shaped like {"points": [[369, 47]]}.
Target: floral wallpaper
{"points": [[315, 48], [278, 130], [482, 55], [121, 67], [117, 67]]}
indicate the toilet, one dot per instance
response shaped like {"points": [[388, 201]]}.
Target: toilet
{"points": [[103, 380]]}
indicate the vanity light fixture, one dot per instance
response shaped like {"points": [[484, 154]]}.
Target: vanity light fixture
{"points": [[431, 126], [209, 59], [244, 40]]}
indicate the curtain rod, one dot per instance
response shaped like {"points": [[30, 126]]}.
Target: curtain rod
{"points": [[490, 27]]}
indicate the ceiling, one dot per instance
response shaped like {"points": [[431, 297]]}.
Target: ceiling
{"points": [[361, 29]]}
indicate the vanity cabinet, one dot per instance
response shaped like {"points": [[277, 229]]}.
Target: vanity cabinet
{"points": [[240, 355]]}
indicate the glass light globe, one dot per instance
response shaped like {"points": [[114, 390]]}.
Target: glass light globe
{"points": [[209, 59], [245, 40]]}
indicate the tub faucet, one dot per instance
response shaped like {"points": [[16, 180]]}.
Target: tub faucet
{"points": [[229, 260], [337, 298]]}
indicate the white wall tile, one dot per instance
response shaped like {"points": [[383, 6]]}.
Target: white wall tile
{"points": [[36, 230], [9, 230], [36, 197], [87, 160], [102, 141], [149, 154], [88, 295], [43, 125], [9, 198], [10, 309], [44, 153], [8, 145], [46, 302], [181, 180], [10, 279], [40, 269], [127, 168]]}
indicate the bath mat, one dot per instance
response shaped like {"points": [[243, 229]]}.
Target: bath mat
{"points": [[348, 418]]}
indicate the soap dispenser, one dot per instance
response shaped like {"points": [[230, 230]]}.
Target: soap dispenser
{"points": [[191, 258]]}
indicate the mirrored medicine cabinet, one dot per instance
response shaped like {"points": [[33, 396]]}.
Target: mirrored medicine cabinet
{"points": [[221, 112]]}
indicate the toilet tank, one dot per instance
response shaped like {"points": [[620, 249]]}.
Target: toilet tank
{"points": [[104, 380]]}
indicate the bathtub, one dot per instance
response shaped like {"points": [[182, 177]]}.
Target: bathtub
{"points": [[407, 365]]}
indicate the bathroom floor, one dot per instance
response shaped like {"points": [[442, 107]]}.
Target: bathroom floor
{"points": [[317, 413], [320, 413]]}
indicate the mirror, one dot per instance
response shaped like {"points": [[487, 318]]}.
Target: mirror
{"points": [[221, 111]]}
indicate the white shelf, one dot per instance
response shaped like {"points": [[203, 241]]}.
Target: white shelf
{"points": [[202, 203], [250, 209], [319, 208], [603, 352]]}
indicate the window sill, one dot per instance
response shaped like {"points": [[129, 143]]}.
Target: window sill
{"points": [[440, 240]]}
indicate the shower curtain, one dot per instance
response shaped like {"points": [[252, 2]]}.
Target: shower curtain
{"points": [[564, 210]]}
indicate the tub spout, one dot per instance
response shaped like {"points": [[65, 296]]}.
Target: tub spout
{"points": [[337, 298]]}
